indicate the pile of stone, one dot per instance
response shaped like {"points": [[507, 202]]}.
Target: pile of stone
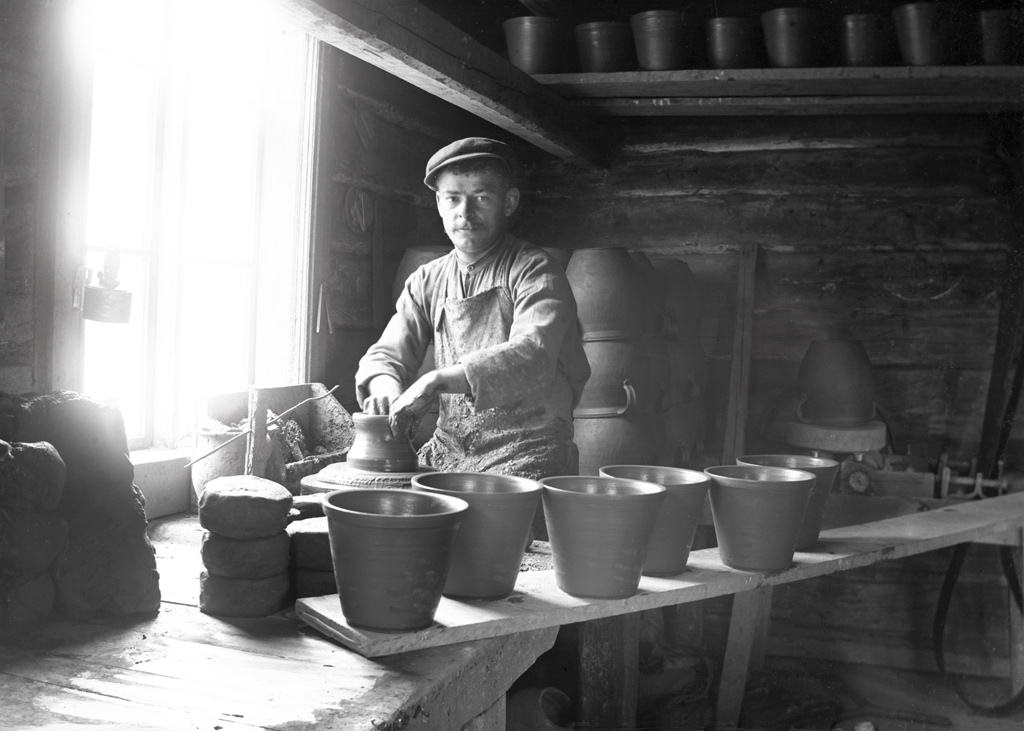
{"points": [[72, 523], [245, 547], [311, 566]]}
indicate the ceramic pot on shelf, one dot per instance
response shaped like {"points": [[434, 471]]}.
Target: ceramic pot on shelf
{"points": [[536, 43], [795, 37], [757, 513], [734, 43], [492, 537], [668, 548], [661, 41], [825, 472], [866, 40], [923, 32], [605, 45], [391, 551], [599, 529]]}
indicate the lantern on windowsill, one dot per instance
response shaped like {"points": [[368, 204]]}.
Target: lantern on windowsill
{"points": [[105, 302]]}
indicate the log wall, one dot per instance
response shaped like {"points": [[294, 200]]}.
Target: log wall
{"points": [[890, 230], [19, 165]]}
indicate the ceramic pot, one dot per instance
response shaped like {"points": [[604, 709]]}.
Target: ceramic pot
{"points": [[536, 43], [605, 46], [635, 437], [612, 363], [687, 368], [653, 293], [684, 431], [681, 300], [538, 709], [609, 293], [734, 43], [375, 449], [866, 40], [599, 529], [757, 513], [660, 39], [562, 256], [836, 383], [668, 548], [795, 37], [413, 258], [923, 31], [994, 36], [494, 531], [391, 550], [825, 472]]}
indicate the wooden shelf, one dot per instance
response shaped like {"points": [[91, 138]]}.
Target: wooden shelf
{"points": [[839, 90]]}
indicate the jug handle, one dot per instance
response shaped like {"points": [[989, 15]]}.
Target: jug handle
{"points": [[630, 390]]}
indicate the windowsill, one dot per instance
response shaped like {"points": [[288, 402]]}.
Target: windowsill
{"points": [[165, 482]]}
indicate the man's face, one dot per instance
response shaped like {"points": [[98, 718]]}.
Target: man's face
{"points": [[475, 208]]}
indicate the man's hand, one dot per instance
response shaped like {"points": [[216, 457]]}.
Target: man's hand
{"points": [[384, 391], [410, 407]]}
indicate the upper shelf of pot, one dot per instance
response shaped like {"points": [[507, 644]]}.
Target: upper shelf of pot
{"points": [[795, 91]]}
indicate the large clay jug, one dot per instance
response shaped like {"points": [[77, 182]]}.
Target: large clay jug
{"points": [[610, 298], [836, 383], [680, 298], [613, 363], [413, 258], [635, 437]]}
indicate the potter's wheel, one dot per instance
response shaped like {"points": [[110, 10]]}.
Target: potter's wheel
{"points": [[342, 474]]}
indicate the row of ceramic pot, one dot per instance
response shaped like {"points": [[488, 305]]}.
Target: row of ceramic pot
{"points": [[921, 32], [395, 552]]}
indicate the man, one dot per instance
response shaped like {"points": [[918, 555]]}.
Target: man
{"points": [[509, 359]]}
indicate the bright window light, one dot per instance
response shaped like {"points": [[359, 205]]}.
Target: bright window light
{"points": [[200, 178]]}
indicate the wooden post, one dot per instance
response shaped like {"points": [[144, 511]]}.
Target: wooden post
{"points": [[1016, 620], [609, 672], [739, 372], [255, 450], [747, 626]]}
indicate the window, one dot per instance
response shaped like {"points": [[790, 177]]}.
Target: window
{"points": [[200, 172]]}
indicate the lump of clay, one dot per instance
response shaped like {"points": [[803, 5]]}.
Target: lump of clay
{"points": [[32, 476], [311, 544], [226, 597], [244, 506], [255, 558]]}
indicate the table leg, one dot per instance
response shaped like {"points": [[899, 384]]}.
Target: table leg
{"points": [[493, 719], [747, 627], [1016, 622], [609, 672]]}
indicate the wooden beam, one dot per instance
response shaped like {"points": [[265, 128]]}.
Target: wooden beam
{"points": [[795, 105], [409, 41]]}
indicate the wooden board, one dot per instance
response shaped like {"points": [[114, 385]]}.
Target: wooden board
{"points": [[537, 601]]}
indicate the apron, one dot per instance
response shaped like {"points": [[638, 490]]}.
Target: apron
{"points": [[525, 439]]}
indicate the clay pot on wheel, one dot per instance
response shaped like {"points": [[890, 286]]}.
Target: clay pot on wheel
{"points": [[599, 529], [668, 548], [494, 531], [758, 512], [825, 472], [391, 551], [376, 449]]}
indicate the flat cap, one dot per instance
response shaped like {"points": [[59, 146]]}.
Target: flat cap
{"points": [[466, 149]]}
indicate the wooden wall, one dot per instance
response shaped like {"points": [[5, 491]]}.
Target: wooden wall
{"points": [[889, 230], [20, 59]]}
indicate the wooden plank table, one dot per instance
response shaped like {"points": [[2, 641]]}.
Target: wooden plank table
{"points": [[183, 669], [538, 603]]}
